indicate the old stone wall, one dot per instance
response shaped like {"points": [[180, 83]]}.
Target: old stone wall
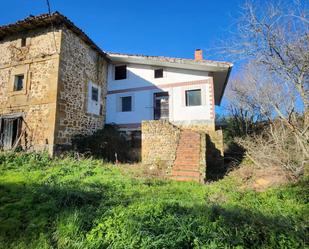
{"points": [[159, 143], [202, 127], [79, 65], [214, 154], [38, 61], [185, 152]]}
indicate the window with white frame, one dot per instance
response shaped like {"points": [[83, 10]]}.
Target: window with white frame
{"points": [[193, 97], [94, 99]]}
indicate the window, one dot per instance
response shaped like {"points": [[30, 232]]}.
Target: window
{"points": [[93, 98], [10, 131], [19, 82], [120, 72], [101, 109], [158, 73], [136, 139], [193, 97], [95, 94], [126, 104], [23, 42]]}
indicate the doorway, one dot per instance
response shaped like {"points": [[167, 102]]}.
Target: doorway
{"points": [[161, 106], [10, 130]]}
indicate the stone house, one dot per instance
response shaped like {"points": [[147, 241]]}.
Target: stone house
{"points": [[53, 83]]}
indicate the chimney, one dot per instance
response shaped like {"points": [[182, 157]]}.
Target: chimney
{"points": [[198, 54]]}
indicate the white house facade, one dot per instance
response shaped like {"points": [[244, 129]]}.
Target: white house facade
{"points": [[182, 91]]}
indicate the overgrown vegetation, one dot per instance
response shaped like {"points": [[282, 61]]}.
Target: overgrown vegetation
{"points": [[69, 203], [268, 101], [107, 143]]}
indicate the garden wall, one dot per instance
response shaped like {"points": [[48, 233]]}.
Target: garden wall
{"points": [[159, 143], [183, 152]]}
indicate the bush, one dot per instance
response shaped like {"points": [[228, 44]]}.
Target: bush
{"points": [[276, 146], [104, 143]]}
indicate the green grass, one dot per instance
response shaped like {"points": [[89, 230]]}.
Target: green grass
{"points": [[65, 203]]}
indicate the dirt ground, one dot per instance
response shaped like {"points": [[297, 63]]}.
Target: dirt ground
{"points": [[259, 179]]}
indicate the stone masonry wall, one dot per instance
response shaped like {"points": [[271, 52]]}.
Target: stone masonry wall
{"points": [[185, 152], [79, 64], [159, 143], [39, 62]]}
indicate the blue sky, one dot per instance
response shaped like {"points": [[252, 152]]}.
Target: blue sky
{"points": [[172, 28]]}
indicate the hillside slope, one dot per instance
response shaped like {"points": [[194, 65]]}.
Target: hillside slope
{"points": [[66, 203]]}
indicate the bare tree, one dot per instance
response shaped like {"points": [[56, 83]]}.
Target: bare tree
{"points": [[273, 38], [272, 142], [242, 110]]}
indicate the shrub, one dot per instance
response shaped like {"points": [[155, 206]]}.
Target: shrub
{"points": [[104, 143], [276, 146]]}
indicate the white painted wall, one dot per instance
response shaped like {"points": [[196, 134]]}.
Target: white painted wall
{"points": [[143, 76]]}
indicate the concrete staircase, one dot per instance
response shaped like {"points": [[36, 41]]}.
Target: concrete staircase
{"points": [[187, 163]]}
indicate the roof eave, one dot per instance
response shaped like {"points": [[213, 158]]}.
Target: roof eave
{"points": [[220, 70], [176, 63], [224, 85]]}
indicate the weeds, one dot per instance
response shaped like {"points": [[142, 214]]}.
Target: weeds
{"points": [[65, 203]]}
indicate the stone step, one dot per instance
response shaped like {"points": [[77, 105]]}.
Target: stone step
{"points": [[185, 162], [185, 173], [190, 135], [187, 159], [185, 179], [188, 154], [182, 156], [194, 151], [186, 168]]}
